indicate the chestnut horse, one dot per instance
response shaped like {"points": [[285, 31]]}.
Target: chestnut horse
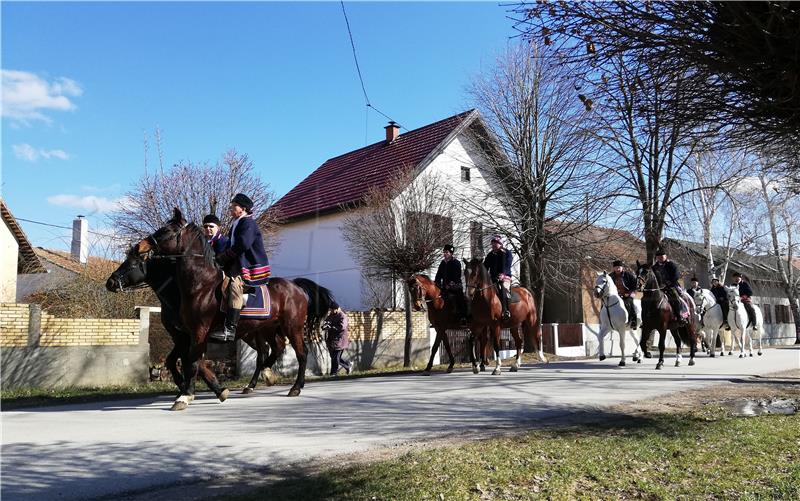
{"points": [[657, 316], [442, 315], [295, 306], [487, 311]]}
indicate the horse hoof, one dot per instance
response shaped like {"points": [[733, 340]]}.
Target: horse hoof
{"points": [[691, 362], [269, 377], [711, 355], [647, 354], [247, 390], [622, 363], [602, 357], [677, 363], [496, 372], [751, 354], [294, 392], [730, 353], [741, 355], [658, 367], [179, 406], [223, 395], [638, 361], [759, 353], [474, 370], [449, 369], [513, 368]]}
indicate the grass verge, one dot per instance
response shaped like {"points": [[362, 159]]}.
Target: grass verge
{"points": [[658, 456]]}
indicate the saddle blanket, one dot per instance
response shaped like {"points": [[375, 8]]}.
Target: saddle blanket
{"points": [[257, 303]]}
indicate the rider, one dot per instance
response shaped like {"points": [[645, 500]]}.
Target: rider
{"points": [[448, 279], [745, 295], [626, 286], [695, 288], [667, 273], [216, 239], [498, 262], [244, 261], [721, 295]]}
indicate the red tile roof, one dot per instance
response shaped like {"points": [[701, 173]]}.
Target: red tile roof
{"points": [[345, 179]]}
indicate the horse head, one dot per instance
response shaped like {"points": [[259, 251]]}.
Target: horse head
{"points": [[475, 275], [733, 296], [601, 285], [643, 274], [130, 274], [417, 293]]}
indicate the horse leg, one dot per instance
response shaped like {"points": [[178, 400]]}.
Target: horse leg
{"points": [[449, 353], [496, 345], [483, 341], [662, 334], [277, 346], [623, 333], [637, 354], [473, 341], [296, 340], [518, 345], [172, 364], [189, 366], [261, 349], [427, 371], [760, 336], [740, 341], [644, 340], [601, 336]]}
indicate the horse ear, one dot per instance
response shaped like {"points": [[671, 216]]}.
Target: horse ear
{"points": [[638, 265], [601, 273], [177, 217]]}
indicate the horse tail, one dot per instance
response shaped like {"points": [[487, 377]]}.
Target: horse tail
{"points": [[320, 300], [536, 326]]}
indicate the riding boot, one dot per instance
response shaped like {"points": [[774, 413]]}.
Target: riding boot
{"points": [[504, 303], [751, 315], [229, 333]]}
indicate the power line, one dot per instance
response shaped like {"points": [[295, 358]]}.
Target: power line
{"points": [[358, 69], [108, 235]]}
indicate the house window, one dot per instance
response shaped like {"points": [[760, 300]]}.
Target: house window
{"points": [[423, 228], [767, 313], [476, 239], [465, 174]]}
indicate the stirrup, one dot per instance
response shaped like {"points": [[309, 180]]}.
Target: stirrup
{"points": [[223, 336], [506, 315]]}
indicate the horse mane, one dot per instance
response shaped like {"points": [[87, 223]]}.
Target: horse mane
{"points": [[197, 236]]}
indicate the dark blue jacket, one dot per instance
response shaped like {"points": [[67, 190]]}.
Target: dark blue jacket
{"points": [[744, 289], [449, 271], [219, 243], [498, 262], [249, 253], [720, 294]]}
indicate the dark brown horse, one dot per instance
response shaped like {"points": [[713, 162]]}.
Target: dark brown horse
{"points": [[295, 306], [441, 314], [657, 316], [487, 316]]}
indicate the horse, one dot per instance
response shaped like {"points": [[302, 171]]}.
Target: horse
{"points": [[739, 322], [657, 316], [711, 320], [442, 315], [487, 313], [296, 306], [613, 317]]}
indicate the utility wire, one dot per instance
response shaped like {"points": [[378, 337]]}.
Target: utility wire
{"points": [[68, 228], [358, 69]]}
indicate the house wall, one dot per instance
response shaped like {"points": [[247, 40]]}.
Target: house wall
{"points": [[40, 350], [9, 252]]}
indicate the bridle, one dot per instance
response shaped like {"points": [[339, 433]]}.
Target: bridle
{"points": [[155, 247]]}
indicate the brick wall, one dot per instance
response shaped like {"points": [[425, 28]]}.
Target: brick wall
{"points": [[16, 329], [363, 325]]}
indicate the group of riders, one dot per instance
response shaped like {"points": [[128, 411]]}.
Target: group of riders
{"points": [[242, 256], [667, 275]]}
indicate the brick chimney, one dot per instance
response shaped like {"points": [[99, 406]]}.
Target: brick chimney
{"points": [[80, 240], [392, 131]]}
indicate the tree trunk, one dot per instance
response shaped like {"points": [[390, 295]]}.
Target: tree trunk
{"points": [[796, 315], [409, 327]]}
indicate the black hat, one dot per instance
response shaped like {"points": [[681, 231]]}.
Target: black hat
{"points": [[617, 263], [736, 274], [243, 201], [449, 248], [660, 252], [694, 279], [211, 218]]}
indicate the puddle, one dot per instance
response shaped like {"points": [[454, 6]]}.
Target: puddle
{"points": [[747, 408]]}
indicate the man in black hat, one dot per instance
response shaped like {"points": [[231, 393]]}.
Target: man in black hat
{"points": [[498, 263], [626, 287], [216, 239], [668, 275], [695, 288], [244, 261], [745, 295], [721, 295], [448, 279]]}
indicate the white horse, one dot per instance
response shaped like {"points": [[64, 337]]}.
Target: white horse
{"points": [[711, 326], [614, 317], [737, 320]]}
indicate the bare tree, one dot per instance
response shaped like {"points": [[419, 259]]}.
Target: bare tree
{"points": [[543, 172], [198, 189], [741, 57], [399, 231], [782, 209]]}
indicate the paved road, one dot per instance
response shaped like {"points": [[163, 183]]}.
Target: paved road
{"points": [[106, 449]]}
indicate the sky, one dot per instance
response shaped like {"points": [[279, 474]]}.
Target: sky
{"points": [[85, 83]]}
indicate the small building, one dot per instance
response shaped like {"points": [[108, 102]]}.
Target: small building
{"points": [[17, 256], [311, 242]]}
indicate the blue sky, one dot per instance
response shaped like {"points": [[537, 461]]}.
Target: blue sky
{"points": [[83, 83]]}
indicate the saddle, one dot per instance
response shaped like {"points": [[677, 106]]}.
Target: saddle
{"points": [[257, 301]]}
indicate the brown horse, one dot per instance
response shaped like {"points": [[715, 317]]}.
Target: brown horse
{"points": [[487, 316], [657, 316], [442, 315], [295, 306]]}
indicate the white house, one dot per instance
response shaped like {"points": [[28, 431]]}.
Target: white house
{"points": [[311, 243], [16, 255]]}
